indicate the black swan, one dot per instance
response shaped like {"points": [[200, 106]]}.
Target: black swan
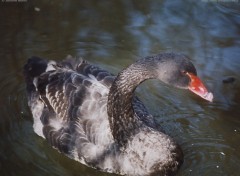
{"points": [[94, 117]]}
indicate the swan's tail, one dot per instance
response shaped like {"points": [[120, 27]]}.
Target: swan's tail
{"points": [[34, 67]]}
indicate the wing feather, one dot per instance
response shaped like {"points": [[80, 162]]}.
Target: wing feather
{"points": [[74, 116]]}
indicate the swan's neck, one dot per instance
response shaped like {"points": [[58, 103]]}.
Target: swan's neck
{"points": [[123, 121]]}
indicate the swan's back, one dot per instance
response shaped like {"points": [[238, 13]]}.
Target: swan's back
{"points": [[68, 101]]}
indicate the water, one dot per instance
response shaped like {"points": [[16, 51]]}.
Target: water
{"points": [[113, 34]]}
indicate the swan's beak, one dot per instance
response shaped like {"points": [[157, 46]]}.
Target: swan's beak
{"points": [[197, 87]]}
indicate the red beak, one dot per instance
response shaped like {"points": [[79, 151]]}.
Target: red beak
{"points": [[197, 87]]}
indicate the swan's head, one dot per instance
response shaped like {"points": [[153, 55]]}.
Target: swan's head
{"points": [[178, 70]]}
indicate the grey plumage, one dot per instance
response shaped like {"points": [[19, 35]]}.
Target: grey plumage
{"points": [[95, 118]]}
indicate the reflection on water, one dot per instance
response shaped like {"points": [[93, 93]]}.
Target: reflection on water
{"points": [[113, 34]]}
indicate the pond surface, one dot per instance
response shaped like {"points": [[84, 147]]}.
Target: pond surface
{"points": [[113, 34]]}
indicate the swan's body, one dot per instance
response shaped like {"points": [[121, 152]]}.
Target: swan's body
{"points": [[94, 117]]}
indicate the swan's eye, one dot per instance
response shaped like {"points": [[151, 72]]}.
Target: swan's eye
{"points": [[184, 72]]}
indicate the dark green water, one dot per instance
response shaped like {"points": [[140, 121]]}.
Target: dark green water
{"points": [[113, 34]]}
